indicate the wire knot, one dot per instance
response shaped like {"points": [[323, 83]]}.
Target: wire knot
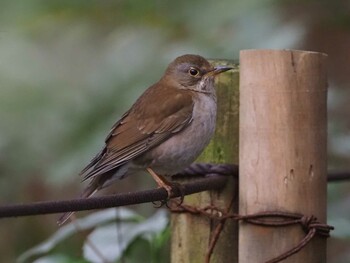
{"points": [[307, 221]]}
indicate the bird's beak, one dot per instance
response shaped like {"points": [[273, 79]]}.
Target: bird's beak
{"points": [[217, 70]]}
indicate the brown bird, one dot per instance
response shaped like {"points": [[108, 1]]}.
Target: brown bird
{"points": [[164, 131]]}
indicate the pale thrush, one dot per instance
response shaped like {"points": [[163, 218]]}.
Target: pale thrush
{"points": [[164, 131]]}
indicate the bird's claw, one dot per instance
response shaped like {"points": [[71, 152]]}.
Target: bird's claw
{"points": [[160, 203], [170, 190]]}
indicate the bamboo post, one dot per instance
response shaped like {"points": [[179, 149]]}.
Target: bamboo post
{"points": [[191, 234], [283, 152]]}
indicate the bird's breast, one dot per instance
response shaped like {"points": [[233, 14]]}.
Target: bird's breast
{"points": [[180, 150]]}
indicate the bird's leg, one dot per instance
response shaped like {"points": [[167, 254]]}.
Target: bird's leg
{"points": [[161, 181], [168, 186]]}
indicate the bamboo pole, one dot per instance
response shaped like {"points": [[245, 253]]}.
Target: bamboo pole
{"points": [[283, 152], [191, 234]]}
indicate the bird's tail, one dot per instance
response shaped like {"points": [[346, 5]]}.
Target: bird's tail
{"points": [[97, 183], [89, 191]]}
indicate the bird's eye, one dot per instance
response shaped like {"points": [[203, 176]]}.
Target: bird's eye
{"points": [[193, 72]]}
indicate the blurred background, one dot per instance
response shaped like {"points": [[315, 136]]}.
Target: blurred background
{"points": [[69, 69]]}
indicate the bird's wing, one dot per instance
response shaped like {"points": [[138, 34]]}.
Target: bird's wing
{"points": [[149, 122]]}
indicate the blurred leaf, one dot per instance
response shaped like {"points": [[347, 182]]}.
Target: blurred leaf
{"points": [[113, 239], [87, 222], [58, 259]]}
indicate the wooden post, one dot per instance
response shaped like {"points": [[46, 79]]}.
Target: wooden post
{"points": [[283, 149], [191, 234]]}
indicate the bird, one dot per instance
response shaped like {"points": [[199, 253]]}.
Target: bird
{"points": [[163, 132]]}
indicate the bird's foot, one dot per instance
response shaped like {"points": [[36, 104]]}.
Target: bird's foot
{"points": [[177, 190], [174, 190], [159, 204]]}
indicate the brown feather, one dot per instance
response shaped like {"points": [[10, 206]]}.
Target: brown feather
{"points": [[160, 112]]}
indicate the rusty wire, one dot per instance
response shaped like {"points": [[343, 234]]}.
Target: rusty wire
{"points": [[208, 182], [309, 224], [213, 180]]}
